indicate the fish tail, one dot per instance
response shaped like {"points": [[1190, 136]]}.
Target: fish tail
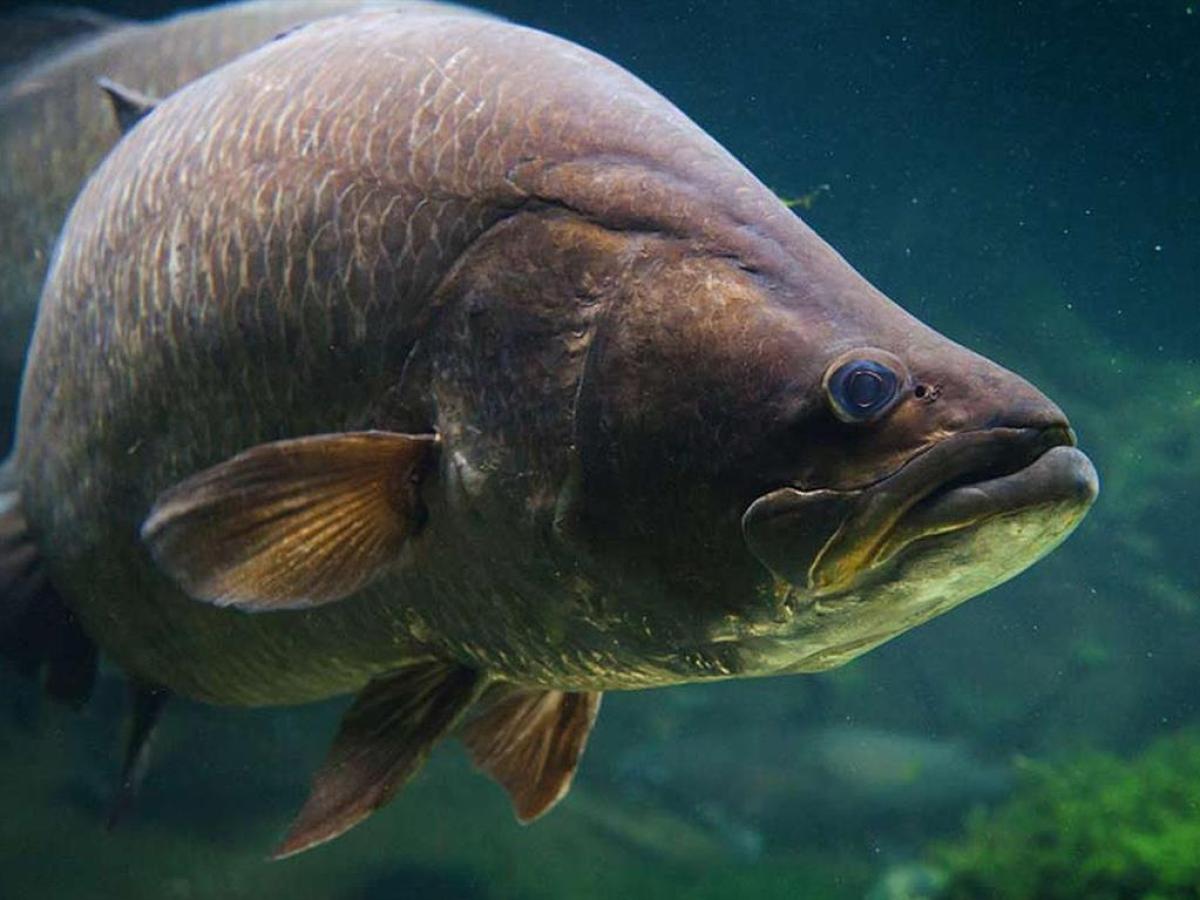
{"points": [[38, 633]]}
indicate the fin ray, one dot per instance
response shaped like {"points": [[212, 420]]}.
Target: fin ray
{"points": [[531, 742], [383, 739], [292, 523]]}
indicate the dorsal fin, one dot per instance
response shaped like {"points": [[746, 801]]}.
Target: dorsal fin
{"points": [[383, 739], [128, 105], [531, 742], [293, 523]]}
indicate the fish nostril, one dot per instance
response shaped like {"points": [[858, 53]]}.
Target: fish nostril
{"points": [[927, 392]]}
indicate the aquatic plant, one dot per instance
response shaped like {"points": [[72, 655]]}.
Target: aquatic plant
{"points": [[1095, 826]]}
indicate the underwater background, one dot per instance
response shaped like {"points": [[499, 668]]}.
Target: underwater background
{"points": [[1025, 177]]}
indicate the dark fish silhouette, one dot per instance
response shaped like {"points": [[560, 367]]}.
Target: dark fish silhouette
{"points": [[442, 360]]}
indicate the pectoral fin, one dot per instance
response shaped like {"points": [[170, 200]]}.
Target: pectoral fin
{"points": [[383, 740], [531, 742], [293, 523]]}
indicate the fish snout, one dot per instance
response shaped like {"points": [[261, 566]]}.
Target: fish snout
{"points": [[1026, 407], [963, 391]]}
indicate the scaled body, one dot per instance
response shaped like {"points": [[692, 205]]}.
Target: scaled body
{"points": [[486, 379], [55, 127]]}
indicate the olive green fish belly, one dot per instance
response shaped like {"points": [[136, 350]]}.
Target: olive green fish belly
{"points": [[223, 657]]}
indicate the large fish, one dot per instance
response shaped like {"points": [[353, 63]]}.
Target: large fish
{"points": [[442, 360], [55, 125]]}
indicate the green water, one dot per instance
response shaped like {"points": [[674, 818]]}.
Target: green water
{"points": [[1023, 177]]}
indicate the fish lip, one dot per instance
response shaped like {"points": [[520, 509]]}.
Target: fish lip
{"points": [[895, 510], [1061, 476], [955, 483]]}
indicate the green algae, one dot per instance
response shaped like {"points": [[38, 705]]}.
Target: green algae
{"points": [[1095, 826]]}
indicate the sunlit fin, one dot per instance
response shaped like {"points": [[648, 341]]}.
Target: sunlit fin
{"points": [[383, 740], [128, 105], [146, 703], [531, 742], [37, 631], [294, 523]]}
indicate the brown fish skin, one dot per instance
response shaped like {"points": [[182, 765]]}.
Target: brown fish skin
{"points": [[56, 126], [621, 338]]}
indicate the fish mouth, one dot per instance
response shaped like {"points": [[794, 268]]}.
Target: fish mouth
{"points": [[826, 542]]}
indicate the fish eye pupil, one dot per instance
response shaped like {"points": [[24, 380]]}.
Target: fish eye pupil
{"points": [[864, 388]]}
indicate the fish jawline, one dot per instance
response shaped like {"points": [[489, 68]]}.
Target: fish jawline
{"points": [[957, 484], [1059, 482]]}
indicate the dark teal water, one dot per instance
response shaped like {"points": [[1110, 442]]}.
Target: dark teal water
{"points": [[1022, 176]]}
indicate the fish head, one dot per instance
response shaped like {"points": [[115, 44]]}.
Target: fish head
{"points": [[738, 462], [797, 429]]}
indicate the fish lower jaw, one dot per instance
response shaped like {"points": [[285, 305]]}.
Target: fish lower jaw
{"points": [[930, 570], [1061, 484], [1044, 472]]}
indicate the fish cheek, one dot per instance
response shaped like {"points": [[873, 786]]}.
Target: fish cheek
{"points": [[787, 530], [671, 408]]}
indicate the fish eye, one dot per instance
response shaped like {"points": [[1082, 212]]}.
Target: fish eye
{"points": [[861, 389]]}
